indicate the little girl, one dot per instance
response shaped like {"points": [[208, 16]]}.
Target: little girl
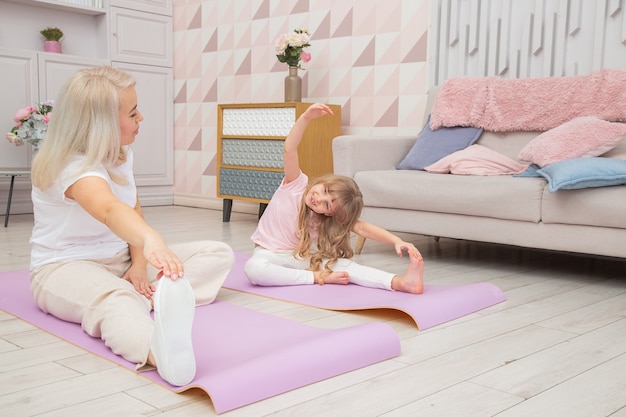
{"points": [[303, 236]]}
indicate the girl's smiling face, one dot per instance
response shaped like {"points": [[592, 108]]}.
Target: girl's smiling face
{"points": [[129, 116], [320, 200]]}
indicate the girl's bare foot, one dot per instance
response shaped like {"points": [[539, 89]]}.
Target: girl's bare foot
{"points": [[332, 277], [412, 280]]}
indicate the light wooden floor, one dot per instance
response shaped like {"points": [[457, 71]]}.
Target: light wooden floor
{"points": [[556, 347]]}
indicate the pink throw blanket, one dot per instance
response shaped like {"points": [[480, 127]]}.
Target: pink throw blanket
{"points": [[529, 104]]}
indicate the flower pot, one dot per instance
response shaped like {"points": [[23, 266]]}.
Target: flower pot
{"points": [[52, 46], [293, 85]]}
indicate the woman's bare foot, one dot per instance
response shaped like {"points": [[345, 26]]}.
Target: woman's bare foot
{"points": [[332, 277], [412, 280]]}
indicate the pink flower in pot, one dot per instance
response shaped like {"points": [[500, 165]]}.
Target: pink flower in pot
{"points": [[52, 37]]}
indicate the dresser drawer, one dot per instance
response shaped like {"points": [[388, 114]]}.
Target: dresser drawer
{"points": [[249, 183]]}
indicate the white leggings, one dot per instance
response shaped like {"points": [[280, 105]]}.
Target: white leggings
{"points": [[92, 293], [269, 268]]}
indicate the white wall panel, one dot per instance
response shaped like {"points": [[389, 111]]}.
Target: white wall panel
{"points": [[530, 38]]}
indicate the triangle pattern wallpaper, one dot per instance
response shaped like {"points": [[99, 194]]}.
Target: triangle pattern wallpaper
{"points": [[368, 56]]}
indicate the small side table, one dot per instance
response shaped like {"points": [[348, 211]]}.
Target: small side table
{"points": [[12, 172]]}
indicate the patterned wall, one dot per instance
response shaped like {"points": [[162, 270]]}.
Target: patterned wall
{"points": [[368, 56], [374, 58]]}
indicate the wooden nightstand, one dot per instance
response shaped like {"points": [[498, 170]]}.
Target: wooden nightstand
{"points": [[250, 141]]}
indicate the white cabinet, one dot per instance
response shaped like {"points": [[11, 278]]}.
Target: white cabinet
{"points": [[154, 165], [141, 38], [55, 69], [84, 28], [19, 86], [152, 6], [29, 77], [133, 35], [142, 44]]}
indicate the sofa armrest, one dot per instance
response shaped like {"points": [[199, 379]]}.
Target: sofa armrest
{"points": [[354, 153]]}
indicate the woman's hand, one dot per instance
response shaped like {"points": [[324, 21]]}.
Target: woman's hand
{"points": [[161, 257], [138, 276]]}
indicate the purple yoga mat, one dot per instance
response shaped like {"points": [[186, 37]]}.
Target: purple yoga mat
{"points": [[242, 356], [438, 304]]}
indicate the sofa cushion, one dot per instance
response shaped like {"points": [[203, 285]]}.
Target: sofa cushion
{"points": [[530, 171], [584, 173], [604, 207], [502, 197], [509, 143], [431, 146], [580, 137], [618, 152], [476, 160]]}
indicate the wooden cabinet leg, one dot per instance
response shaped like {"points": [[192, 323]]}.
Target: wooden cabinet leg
{"points": [[226, 209], [359, 244]]}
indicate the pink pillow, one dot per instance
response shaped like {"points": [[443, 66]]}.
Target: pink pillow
{"points": [[578, 138], [476, 160]]}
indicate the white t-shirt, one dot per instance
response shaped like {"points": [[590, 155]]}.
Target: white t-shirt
{"points": [[64, 231], [277, 230]]}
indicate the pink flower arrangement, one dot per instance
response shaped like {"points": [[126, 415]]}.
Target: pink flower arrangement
{"points": [[31, 124], [290, 47]]}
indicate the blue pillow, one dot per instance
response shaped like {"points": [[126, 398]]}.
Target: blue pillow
{"points": [[432, 145], [576, 173]]}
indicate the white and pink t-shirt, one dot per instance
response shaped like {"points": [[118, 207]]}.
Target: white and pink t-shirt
{"points": [[277, 230]]}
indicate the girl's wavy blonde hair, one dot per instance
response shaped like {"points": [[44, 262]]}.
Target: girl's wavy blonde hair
{"points": [[333, 232], [85, 121]]}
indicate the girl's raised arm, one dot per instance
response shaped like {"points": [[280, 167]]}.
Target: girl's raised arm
{"points": [[291, 162]]}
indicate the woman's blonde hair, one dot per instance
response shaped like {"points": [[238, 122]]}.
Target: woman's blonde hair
{"points": [[333, 232], [85, 121]]}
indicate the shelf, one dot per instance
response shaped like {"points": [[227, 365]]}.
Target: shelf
{"points": [[62, 5], [254, 137]]}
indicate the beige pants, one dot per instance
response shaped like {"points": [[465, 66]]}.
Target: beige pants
{"points": [[93, 294]]}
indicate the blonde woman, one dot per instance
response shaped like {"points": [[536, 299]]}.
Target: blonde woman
{"points": [[94, 259]]}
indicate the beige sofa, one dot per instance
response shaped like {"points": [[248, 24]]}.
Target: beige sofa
{"points": [[502, 209]]}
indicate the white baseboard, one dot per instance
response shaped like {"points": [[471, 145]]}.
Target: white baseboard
{"points": [[201, 201], [156, 196], [149, 196], [21, 201]]}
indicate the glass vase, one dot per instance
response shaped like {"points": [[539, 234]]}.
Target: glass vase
{"points": [[34, 150], [293, 86]]}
